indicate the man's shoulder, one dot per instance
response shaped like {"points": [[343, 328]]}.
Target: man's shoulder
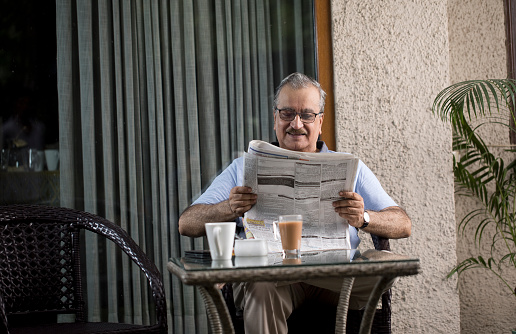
{"points": [[236, 164]]}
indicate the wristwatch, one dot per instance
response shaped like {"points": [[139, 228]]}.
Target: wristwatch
{"points": [[366, 220]]}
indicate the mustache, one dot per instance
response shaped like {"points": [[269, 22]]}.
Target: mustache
{"points": [[296, 131]]}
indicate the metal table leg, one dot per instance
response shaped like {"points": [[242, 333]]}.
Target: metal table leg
{"points": [[217, 310], [342, 308]]}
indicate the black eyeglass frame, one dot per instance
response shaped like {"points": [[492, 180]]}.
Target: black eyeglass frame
{"points": [[297, 113]]}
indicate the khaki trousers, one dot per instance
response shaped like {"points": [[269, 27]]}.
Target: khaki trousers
{"points": [[267, 305]]}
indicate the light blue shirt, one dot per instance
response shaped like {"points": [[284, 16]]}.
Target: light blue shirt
{"points": [[366, 185]]}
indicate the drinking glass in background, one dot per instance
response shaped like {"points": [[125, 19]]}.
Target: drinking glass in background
{"points": [[52, 159], [4, 159], [35, 160], [18, 159], [290, 228]]}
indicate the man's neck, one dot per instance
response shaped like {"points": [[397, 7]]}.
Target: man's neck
{"points": [[318, 146]]}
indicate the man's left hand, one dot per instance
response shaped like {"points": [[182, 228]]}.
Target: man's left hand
{"points": [[351, 208]]}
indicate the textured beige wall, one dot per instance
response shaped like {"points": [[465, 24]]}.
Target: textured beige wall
{"points": [[477, 51], [390, 61]]}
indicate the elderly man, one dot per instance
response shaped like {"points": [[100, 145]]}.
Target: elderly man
{"points": [[298, 118]]}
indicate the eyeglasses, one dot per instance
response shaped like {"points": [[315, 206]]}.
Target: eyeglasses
{"points": [[288, 115]]}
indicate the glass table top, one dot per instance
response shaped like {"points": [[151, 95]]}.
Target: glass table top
{"points": [[201, 260]]}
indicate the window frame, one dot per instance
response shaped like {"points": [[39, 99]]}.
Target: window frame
{"points": [[325, 67]]}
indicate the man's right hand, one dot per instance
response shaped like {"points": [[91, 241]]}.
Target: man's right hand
{"points": [[241, 199], [192, 220]]}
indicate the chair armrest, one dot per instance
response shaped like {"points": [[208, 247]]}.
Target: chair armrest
{"points": [[380, 243], [123, 240]]}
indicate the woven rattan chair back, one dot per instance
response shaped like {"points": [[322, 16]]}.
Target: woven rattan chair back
{"points": [[40, 270]]}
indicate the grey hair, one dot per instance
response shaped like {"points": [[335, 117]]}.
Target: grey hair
{"points": [[298, 80]]}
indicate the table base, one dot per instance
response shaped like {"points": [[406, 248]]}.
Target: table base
{"points": [[220, 319]]}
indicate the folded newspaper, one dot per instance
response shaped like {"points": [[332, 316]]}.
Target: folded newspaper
{"points": [[291, 182]]}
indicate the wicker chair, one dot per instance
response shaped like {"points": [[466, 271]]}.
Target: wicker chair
{"points": [[320, 318], [40, 271], [382, 317]]}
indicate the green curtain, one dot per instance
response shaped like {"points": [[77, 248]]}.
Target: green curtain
{"points": [[155, 99]]}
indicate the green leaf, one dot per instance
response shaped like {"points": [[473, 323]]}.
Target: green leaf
{"points": [[469, 106]]}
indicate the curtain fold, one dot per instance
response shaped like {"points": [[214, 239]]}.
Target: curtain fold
{"points": [[108, 149], [155, 99]]}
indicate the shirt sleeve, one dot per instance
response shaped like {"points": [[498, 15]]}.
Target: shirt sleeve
{"points": [[219, 189], [368, 186]]}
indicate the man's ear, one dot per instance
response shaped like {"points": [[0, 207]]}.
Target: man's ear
{"points": [[274, 121], [321, 120]]}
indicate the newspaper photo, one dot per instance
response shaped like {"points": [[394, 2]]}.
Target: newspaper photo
{"points": [[290, 182]]}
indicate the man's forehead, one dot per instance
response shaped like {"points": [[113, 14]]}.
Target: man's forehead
{"points": [[308, 96]]}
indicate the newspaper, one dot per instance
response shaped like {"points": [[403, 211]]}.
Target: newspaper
{"points": [[290, 182]]}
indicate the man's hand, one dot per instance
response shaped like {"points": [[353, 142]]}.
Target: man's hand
{"points": [[192, 220], [392, 222], [241, 199], [351, 208]]}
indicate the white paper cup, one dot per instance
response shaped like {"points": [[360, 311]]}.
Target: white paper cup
{"points": [[220, 239]]}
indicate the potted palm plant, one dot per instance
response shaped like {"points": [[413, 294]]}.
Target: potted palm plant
{"points": [[482, 172]]}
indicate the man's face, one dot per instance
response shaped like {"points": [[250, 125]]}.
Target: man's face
{"points": [[296, 135]]}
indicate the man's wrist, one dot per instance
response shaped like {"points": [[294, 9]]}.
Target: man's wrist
{"points": [[367, 219], [231, 209]]}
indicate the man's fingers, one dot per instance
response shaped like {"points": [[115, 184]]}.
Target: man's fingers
{"points": [[350, 195], [240, 210], [349, 210], [352, 204], [242, 203], [241, 199], [243, 209], [244, 197], [241, 190], [350, 200]]}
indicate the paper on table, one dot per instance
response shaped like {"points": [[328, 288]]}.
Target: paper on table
{"points": [[290, 182]]}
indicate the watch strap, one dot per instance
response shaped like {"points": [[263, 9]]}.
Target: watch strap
{"points": [[366, 220]]}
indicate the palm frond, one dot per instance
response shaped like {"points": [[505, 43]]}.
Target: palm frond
{"points": [[480, 263], [478, 173]]}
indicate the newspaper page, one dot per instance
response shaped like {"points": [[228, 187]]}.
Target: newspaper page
{"points": [[290, 182]]}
